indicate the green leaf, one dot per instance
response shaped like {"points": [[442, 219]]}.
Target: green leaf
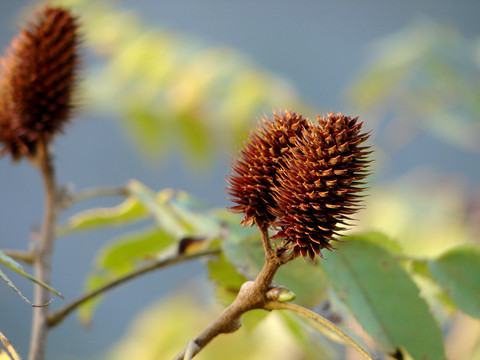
{"points": [[129, 211], [177, 220], [307, 280], [380, 239], [157, 205], [243, 248], [193, 215], [383, 298], [228, 281], [457, 271], [86, 310], [176, 211], [123, 254], [120, 257], [15, 266], [226, 278]]}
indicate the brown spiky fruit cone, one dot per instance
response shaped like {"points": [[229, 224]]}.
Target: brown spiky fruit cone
{"points": [[36, 82], [301, 179], [318, 187], [255, 172]]}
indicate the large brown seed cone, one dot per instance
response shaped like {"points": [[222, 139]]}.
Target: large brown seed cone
{"points": [[316, 189], [36, 82], [255, 172]]}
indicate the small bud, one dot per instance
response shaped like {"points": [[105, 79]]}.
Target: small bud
{"points": [[280, 293]]}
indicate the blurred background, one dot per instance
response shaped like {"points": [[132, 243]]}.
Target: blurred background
{"points": [[170, 88]]}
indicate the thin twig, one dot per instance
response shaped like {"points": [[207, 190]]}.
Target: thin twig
{"points": [[56, 317], [8, 345], [43, 253], [276, 305]]}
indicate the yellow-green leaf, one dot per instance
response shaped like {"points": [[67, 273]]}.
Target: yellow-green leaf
{"points": [[457, 271], [129, 211], [383, 298]]}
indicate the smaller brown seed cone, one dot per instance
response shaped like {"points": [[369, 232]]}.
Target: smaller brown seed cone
{"points": [[36, 82], [317, 188], [255, 172]]}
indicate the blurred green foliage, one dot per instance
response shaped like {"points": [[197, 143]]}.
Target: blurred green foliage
{"points": [[427, 77], [172, 92]]}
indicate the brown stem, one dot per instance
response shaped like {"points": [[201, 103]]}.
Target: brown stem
{"points": [[252, 295], [56, 317], [43, 254], [263, 226]]}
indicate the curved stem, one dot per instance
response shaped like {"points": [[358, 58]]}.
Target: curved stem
{"points": [[43, 254], [276, 305], [56, 317]]}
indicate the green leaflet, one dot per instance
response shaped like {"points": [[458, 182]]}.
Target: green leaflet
{"points": [[176, 217], [383, 298], [15, 266], [129, 211], [174, 211], [159, 207], [457, 271], [122, 256], [85, 312]]}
